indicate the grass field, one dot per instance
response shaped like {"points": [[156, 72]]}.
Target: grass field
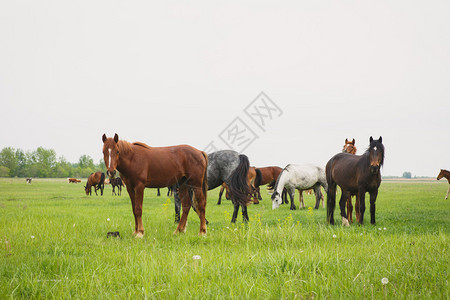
{"points": [[53, 244]]}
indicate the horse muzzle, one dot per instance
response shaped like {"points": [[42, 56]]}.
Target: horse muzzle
{"points": [[111, 174], [374, 169]]}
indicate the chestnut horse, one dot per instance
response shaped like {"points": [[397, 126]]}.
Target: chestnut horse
{"points": [[142, 166], [349, 147], [355, 174], [96, 180], [73, 180], [266, 175], [446, 174]]}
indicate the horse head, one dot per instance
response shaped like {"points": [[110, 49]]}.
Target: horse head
{"points": [[349, 147], [441, 175], [376, 154], [111, 154], [276, 200]]}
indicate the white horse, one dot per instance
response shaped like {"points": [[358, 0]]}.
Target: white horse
{"points": [[301, 177]]}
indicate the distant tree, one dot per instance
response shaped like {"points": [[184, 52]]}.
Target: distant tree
{"points": [[4, 171], [407, 175], [8, 159], [86, 161], [45, 161]]}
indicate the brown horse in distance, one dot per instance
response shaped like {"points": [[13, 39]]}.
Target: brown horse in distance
{"points": [[444, 173], [96, 180], [73, 180], [142, 166], [266, 175], [349, 147]]}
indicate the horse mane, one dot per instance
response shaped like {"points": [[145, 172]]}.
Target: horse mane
{"points": [[142, 145], [124, 146], [278, 180]]}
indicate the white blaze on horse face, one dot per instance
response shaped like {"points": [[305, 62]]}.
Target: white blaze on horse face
{"points": [[109, 159]]}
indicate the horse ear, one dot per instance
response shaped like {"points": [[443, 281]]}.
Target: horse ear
{"points": [[346, 141], [116, 138], [104, 138], [380, 139], [353, 142], [371, 139]]}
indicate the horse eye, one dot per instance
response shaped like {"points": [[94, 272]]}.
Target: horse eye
{"points": [[117, 152]]}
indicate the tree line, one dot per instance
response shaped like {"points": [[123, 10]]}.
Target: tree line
{"points": [[44, 163]]}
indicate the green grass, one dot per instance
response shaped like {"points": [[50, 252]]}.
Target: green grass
{"points": [[279, 254]]}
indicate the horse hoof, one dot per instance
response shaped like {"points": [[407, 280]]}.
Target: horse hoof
{"points": [[139, 235], [345, 222]]}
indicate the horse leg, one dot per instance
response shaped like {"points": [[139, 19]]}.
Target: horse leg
{"points": [[357, 207], [235, 213], [220, 195], [95, 190], [318, 194], [113, 192], [301, 202], [183, 192], [349, 209], [331, 202], [258, 190], [137, 210], [158, 193], [291, 192], [373, 198], [342, 202], [101, 189], [362, 205], [446, 196], [200, 205], [244, 214], [284, 199], [177, 201]]}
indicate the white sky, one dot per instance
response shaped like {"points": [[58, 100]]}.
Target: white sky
{"points": [[179, 72]]}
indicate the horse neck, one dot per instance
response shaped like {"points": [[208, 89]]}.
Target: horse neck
{"points": [[446, 174], [281, 181]]}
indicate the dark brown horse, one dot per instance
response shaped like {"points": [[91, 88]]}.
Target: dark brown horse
{"points": [[446, 174], [355, 174], [116, 182], [266, 175], [142, 166], [96, 180], [349, 147]]}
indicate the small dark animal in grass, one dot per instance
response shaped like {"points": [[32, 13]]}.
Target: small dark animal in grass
{"points": [[142, 166], [444, 173], [116, 182], [73, 180], [96, 180], [349, 147], [28, 180], [113, 234], [355, 174]]}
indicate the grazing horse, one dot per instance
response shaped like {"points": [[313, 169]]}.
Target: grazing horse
{"points": [[142, 166], [446, 174], [266, 175], [73, 180], [349, 147], [301, 177], [252, 174], [28, 180], [116, 182], [355, 174], [96, 180]]}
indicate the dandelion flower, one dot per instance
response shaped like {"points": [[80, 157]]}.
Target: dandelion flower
{"points": [[384, 281], [334, 236], [384, 228], [196, 257], [379, 228], [107, 219], [32, 236]]}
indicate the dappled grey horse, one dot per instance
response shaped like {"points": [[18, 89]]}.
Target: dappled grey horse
{"points": [[232, 168]]}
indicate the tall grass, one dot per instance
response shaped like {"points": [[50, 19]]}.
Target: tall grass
{"points": [[53, 244]]}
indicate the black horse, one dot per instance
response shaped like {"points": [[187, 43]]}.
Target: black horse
{"points": [[117, 181], [355, 174]]}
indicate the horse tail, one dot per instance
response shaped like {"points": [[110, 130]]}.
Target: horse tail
{"points": [[239, 189], [205, 176], [102, 179], [258, 178], [271, 185]]}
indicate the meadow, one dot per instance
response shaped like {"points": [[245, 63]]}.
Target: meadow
{"points": [[53, 244]]}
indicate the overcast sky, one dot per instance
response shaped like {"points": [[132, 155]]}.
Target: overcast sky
{"points": [[186, 72]]}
